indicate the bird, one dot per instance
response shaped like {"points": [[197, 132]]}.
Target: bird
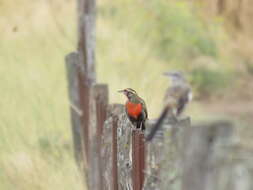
{"points": [[136, 109], [176, 98]]}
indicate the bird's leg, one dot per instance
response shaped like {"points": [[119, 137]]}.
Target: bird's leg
{"points": [[143, 126], [140, 127], [134, 126]]}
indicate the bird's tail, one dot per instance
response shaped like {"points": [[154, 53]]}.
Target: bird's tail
{"points": [[158, 124], [143, 126]]}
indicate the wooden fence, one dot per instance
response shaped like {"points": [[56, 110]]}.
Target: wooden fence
{"points": [[112, 156], [181, 156]]}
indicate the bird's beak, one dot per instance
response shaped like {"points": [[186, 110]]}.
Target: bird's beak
{"points": [[120, 91]]}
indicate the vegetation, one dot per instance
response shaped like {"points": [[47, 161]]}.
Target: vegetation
{"points": [[35, 140], [171, 35], [136, 42]]}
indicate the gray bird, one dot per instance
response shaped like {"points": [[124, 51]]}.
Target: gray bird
{"points": [[176, 98]]}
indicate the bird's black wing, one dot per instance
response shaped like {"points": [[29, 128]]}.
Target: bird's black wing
{"points": [[144, 109]]}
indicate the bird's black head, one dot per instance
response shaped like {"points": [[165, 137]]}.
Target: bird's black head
{"points": [[129, 92]]}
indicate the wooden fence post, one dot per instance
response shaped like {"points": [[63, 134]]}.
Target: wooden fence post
{"points": [[86, 10], [79, 95], [100, 101], [85, 99], [101, 95], [115, 154], [109, 147], [163, 155], [205, 155], [138, 156], [124, 162], [86, 77], [72, 62], [117, 150]]}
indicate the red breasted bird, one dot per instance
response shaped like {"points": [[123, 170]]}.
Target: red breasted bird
{"points": [[136, 109], [176, 98]]}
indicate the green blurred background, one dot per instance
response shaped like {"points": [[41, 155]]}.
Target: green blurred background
{"points": [[137, 40]]}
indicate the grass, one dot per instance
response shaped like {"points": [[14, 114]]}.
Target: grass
{"points": [[36, 147], [35, 141]]}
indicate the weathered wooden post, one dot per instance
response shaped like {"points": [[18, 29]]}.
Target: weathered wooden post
{"points": [[86, 50], [82, 77], [124, 134], [118, 149], [206, 156], [115, 183], [101, 95], [86, 10], [110, 155], [72, 66], [101, 99], [162, 165], [139, 159]]}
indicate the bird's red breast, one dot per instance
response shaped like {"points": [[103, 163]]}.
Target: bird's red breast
{"points": [[133, 109]]}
